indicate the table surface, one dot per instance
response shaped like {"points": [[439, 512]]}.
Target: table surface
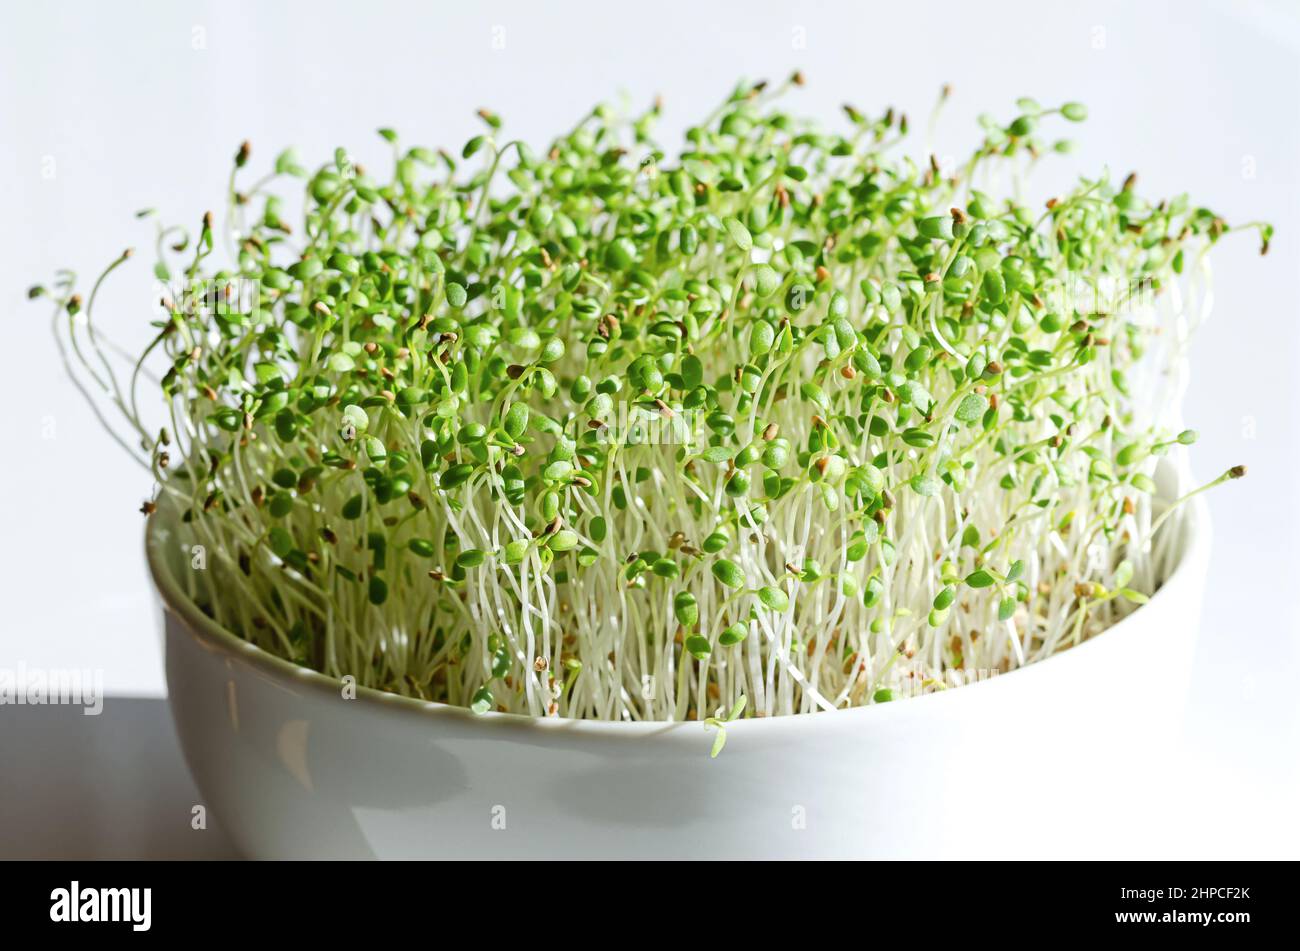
{"points": [[113, 786]]}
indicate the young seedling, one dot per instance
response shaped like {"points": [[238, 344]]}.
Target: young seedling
{"points": [[603, 431], [719, 724]]}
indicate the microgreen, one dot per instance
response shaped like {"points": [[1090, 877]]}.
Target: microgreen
{"points": [[604, 432], [719, 724]]}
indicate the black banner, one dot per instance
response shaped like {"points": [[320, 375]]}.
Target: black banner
{"points": [[909, 901]]}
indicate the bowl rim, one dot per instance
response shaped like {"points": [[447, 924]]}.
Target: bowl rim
{"points": [[1196, 534]]}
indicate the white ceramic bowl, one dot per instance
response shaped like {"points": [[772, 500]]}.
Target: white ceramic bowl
{"points": [[1038, 762]]}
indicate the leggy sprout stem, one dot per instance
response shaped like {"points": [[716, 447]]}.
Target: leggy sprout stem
{"points": [[1236, 472]]}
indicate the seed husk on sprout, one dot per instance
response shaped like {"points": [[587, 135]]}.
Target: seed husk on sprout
{"points": [[787, 422]]}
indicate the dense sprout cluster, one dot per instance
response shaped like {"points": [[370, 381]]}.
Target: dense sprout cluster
{"points": [[787, 422]]}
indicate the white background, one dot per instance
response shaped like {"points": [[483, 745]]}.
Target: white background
{"points": [[109, 108]]}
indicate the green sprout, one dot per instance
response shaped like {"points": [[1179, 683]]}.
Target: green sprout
{"points": [[719, 724], [604, 431]]}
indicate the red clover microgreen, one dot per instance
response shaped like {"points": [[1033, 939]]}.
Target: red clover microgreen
{"points": [[788, 422]]}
